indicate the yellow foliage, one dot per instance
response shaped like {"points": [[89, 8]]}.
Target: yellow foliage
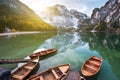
{"points": [[14, 30]]}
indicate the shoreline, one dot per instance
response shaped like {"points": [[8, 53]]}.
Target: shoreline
{"points": [[17, 33]]}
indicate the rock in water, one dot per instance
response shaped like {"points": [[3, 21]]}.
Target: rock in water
{"points": [[5, 74]]}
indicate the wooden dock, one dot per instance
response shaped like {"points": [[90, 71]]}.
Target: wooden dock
{"points": [[74, 75], [10, 61]]}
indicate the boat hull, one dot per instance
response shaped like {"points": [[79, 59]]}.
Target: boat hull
{"points": [[55, 73], [91, 66], [25, 70], [43, 53]]}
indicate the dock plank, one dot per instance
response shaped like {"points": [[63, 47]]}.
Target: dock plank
{"points": [[73, 75]]}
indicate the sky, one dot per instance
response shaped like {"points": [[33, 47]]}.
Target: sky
{"points": [[85, 6]]}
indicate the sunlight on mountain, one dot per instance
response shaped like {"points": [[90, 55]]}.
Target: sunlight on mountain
{"points": [[37, 5], [20, 18]]}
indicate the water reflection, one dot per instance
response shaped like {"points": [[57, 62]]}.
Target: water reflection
{"points": [[20, 46], [75, 48], [104, 40], [108, 46], [64, 41]]}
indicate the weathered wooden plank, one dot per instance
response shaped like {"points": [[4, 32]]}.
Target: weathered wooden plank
{"points": [[74, 75], [9, 61]]}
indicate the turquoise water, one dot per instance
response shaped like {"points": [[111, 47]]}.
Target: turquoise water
{"points": [[20, 46], [73, 48]]}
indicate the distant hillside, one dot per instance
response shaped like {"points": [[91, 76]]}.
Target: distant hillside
{"points": [[15, 16]]}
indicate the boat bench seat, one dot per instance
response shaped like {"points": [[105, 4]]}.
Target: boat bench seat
{"points": [[87, 73], [55, 74], [28, 67], [36, 60], [61, 70], [41, 78], [88, 66], [63, 73], [98, 59], [18, 76], [94, 63]]}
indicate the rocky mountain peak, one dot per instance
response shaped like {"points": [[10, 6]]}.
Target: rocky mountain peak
{"points": [[109, 12], [78, 14], [59, 16]]}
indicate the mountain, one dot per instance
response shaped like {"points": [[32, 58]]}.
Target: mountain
{"points": [[108, 14], [16, 16], [59, 16]]}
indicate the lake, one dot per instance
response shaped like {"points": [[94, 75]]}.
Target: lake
{"points": [[73, 47]]}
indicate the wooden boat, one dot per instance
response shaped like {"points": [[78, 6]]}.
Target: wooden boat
{"points": [[22, 72], [43, 53], [55, 73], [91, 66]]}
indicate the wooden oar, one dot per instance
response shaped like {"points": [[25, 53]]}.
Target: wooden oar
{"points": [[10, 61]]}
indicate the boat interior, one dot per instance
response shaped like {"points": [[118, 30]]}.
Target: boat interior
{"points": [[53, 74], [92, 66]]}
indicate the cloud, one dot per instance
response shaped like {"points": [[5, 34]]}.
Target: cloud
{"points": [[83, 9], [68, 3], [85, 6]]}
